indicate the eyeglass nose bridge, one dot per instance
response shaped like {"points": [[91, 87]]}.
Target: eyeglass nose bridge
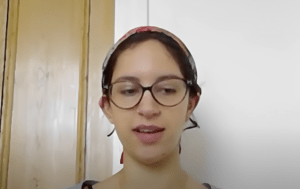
{"points": [[149, 89]]}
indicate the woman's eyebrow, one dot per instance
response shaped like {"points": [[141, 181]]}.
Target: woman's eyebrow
{"points": [[135, 79]]}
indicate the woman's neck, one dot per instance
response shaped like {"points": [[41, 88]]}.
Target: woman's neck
{"points": [[167, 173]]}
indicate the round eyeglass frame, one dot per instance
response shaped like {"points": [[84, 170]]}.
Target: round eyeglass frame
{"points": [[188, 83]]}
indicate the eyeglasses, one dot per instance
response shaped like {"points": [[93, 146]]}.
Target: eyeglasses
{"points": [[128, 94]]}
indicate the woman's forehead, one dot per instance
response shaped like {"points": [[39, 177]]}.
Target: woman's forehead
{"points": [[149, 49], [141, 71], [153, 29], [133, 78], [148, 58]]}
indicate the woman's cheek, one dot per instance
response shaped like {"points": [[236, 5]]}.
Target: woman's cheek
{"points": [[179, 116], [176, 124]]}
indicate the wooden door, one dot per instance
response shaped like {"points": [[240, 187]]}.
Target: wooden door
{"points": [[54, 84]]}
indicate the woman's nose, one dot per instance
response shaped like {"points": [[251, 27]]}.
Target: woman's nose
{"points": [[148, 107]]}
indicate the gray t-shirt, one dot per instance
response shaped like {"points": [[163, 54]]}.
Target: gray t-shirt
{"points": [[90, 183]]}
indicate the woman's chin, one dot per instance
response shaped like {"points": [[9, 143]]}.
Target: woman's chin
{"points": [[151, 161], [155, 157]]}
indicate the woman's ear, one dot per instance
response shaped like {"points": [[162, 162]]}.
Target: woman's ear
{"points": [[193, 102], [106, 108]]}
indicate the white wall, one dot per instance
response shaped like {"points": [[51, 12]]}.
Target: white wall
{"points": [[247, 56]]}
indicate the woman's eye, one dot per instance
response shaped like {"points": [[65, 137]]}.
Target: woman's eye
{"points": [[128, 92], [168, 90]]}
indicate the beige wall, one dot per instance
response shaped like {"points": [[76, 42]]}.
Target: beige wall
{"points": [[50, 52]]}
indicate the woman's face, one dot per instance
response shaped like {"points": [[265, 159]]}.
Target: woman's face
{"points": [[147, 61]]}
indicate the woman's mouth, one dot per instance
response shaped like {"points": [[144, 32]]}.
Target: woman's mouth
{"points": [[149, 134]]}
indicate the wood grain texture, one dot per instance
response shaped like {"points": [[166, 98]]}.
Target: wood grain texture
{"points": [[82, 96], [3, 21], [45, 103], [11, 50], [99, 147]]}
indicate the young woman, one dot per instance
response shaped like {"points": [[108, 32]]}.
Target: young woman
{"points": [[149, 93]]}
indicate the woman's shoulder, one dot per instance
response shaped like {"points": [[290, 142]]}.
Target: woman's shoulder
{"points": [[209, 186], [92, 184], [110, 182], [86, 184], [197, 185], [193, 184]]}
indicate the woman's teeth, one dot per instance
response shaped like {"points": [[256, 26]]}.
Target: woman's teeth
{"points": [[145, 131]]}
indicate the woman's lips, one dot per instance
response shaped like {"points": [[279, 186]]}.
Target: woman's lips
{"points": [[152, 128], [149, 138], [149, 134]]}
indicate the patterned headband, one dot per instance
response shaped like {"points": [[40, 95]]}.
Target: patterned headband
{"points": [[153, 29]]}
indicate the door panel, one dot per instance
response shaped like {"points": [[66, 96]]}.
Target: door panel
{"points": [[44, 121], [53, 48], [3, 20], [99, 149]]}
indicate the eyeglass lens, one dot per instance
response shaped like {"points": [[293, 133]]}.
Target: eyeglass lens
{"points": [[127, 94]]}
